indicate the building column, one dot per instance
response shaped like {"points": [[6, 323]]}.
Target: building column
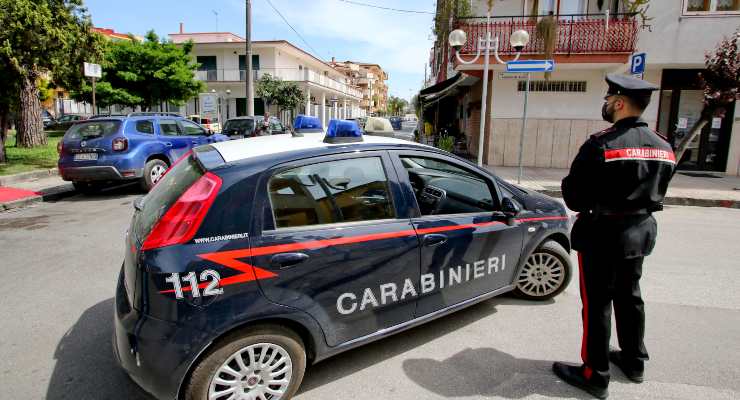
{"points": [[336, 109], [308, 100], [323, 109], [344, 109]]}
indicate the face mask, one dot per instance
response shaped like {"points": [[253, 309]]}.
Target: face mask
{"points": [[606, 114]]}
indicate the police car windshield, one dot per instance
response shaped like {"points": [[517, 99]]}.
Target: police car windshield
{"points": [[87, 130]]}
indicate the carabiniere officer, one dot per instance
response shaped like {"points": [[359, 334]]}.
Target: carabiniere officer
{"points": [[616, 182]]}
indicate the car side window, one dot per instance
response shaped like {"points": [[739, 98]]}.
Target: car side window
{"points": [[275, 125], [145, 127], [169, 127], [442, 187], [192, 129], [331, 192]]}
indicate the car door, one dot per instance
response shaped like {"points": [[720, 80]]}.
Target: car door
{"points": [[335, 236], [196, 133], [468, 247], [171, 135]]}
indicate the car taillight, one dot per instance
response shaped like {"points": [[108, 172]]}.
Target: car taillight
{"points": [[120, 144], [182, 220], [60, 147]]}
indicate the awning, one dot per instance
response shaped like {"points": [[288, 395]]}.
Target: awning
{"points": [[448, 87]]}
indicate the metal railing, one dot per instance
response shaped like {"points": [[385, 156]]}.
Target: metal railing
{"points": [[286, 74], [576, 33]]}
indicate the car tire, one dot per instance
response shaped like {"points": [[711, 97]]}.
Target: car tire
{"points": [[87, 187], [285, 352], [153, 172], [545, 273]]}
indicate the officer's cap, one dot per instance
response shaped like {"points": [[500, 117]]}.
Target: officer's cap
{"points": [[628, 86]]}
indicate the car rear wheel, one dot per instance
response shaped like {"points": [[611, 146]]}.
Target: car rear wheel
{"points": [[545, 273], [153, 172], [265, 362]]}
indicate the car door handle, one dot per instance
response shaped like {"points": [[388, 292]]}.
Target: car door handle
{"points": [[287, 260], [434, 239], [168, 144]]}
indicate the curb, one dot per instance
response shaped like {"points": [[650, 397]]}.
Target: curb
{"points": [[53, 193], [8, 180], [673, 201]]}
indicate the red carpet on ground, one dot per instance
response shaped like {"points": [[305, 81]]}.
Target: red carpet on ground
{"points": [[11, 194]]}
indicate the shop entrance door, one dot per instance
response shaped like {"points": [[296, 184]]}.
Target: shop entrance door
{"points": [[680, 109]]}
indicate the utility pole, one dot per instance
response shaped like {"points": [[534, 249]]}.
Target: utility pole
{"points": [[250, 84]]}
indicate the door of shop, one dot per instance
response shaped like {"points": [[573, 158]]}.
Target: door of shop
{"points": [[680, 108]]}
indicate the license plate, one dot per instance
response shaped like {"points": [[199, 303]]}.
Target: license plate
{"points": [[86, 156]]}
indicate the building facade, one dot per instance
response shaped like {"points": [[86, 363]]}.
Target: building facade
{"points": [[589, 43], [329, 93]]}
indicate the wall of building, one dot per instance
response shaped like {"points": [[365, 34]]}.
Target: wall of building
{"points": [[680, 39]]}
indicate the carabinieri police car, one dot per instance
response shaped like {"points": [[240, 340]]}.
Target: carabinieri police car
{"points": [[252, 259]]}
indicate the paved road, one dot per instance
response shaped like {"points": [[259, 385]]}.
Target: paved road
{"points": [[60, 262]]}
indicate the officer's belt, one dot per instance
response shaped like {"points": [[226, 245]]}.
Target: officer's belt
{"points": [[625, 213]]}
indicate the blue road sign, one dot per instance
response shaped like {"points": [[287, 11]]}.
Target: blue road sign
{"points": [[530, 66], [637, 65]]}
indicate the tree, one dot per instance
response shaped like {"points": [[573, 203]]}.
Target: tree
{"points": [[145, 74], [289, 96], [42, 38], [267, 88], [9, 89], [396, 105], [721, 84]]}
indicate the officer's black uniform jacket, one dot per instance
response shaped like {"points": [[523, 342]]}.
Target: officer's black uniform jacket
{"points": [[619, 177]]}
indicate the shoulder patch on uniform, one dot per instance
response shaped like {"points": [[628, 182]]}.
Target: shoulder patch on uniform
{"points": [[604, 132]]}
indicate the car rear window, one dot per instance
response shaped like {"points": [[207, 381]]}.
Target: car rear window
{"points": [[164, 194], [246, 124], [93, 129]]}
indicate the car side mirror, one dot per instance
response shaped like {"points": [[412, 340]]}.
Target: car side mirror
{"points": [[209, 132], [509, 207]]}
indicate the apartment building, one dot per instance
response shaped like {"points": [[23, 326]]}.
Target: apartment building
{"points": [[222, 58], [591, 41]]}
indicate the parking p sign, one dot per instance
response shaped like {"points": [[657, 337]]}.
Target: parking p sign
{"points": [[637, 66]]}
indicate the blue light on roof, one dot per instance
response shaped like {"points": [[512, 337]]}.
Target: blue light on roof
{"points": [[307, 124], [343, 131]]}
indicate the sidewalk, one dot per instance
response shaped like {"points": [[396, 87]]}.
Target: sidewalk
{"points": [[22, 190], [723, 191]]}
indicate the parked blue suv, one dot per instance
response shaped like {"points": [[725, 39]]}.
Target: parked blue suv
{"points": [[139, 146]]}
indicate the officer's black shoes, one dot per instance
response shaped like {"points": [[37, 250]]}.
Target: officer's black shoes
{"points": [[631, 372], [596, 384]]}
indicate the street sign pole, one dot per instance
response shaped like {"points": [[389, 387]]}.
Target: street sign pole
{"points": [[93, 93], [248, 78], [524, 127]]}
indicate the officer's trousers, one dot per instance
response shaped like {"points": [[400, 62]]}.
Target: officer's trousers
{"points": [[603, 281]]}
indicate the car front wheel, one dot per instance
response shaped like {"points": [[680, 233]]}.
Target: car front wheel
{"points": [[545, 273], [265, 362]]}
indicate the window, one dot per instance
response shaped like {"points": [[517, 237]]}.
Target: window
{"points": [[699, 7], [331, 192], [553, 86], [209, 65], [192, 129], [146, 127], [169, 127], [255, 62], [92, 129], [441, 187]]}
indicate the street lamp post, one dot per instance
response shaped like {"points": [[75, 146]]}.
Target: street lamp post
{"points": [[457, 40], [228, 94]]}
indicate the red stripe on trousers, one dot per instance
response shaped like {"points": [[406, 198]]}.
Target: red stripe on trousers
{"points": [[584, 300]]}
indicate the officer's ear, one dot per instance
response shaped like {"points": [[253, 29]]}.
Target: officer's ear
{"points": [[619, 103]]}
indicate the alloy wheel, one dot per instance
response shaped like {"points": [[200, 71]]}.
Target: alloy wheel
{"points": [[261, 371], [157, 172], [541, 275]]}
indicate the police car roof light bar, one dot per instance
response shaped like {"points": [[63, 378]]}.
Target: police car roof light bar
{"points": [[307, 124], [343, 131]]}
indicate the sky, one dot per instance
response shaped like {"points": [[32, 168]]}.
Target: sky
{"points": [[399, 42]]}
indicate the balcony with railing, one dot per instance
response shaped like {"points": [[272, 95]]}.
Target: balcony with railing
{"points": [[577, 34], [286, 74]]}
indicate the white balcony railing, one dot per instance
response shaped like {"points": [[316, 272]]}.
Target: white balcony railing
{"points": [[286, 74]]}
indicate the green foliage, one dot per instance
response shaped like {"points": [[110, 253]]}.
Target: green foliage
{"points": [[447, 9], [273, 90], [396, 105], [46, 89], [640, 7], [267, 88], [446, 143], [144, 74]]}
